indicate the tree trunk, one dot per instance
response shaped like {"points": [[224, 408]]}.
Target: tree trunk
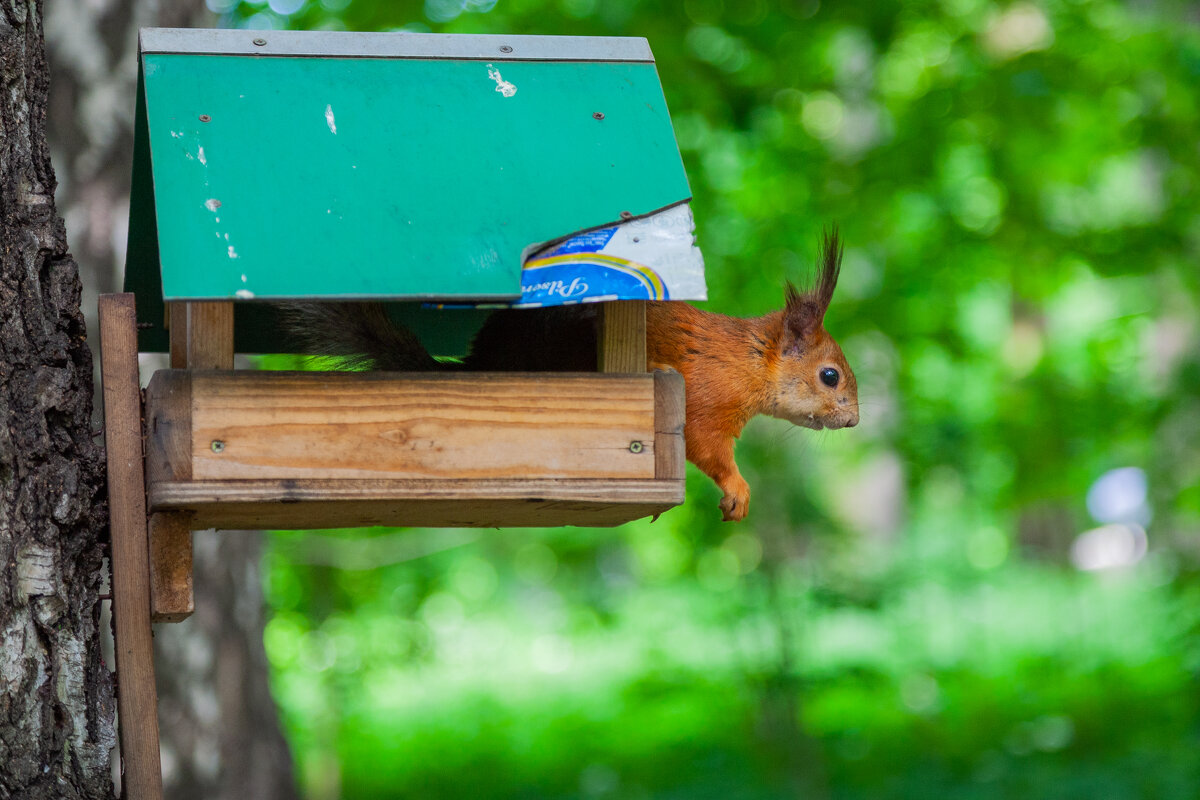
{"points": [[220, 735], [56, 700], [224, 741]]}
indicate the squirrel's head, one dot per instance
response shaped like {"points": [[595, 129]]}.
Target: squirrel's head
{"points": [[815, 386]]}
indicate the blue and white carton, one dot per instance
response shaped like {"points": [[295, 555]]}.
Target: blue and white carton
{"points": [[654, 257]]}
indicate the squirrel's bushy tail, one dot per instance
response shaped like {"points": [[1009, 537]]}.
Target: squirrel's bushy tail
{"points": [[360, 334]]}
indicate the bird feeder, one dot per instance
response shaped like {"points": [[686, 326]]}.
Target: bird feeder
{"points": [[438, 174]]}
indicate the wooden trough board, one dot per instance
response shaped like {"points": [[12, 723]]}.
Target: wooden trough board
{"points": [[310, 450]]}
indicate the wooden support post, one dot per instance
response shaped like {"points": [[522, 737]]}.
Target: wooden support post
{"points": [[210, 335], [171, 598], [137, 698], [668, 425], [177, 330], [201, 338], [622, 336]]}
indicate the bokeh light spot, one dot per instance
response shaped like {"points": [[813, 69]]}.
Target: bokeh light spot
{"points": [[823, 115], [987, 548], [1120, 495], [1109, 547], [286, 7]]}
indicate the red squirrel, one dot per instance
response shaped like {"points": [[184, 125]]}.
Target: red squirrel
{"points": [[783, 364]]}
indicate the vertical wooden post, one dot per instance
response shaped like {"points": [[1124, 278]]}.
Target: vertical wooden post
{"points": [[669, 418], [137, 698], [210, 335], [171, 597], [622, 340], [177, 330], [201, 337], [170, 533]]}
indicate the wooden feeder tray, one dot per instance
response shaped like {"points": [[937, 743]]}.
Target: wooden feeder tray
{"points": [[253, 450]]}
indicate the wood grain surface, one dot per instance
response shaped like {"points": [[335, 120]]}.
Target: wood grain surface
{"points": [[137, 698], [669, 417], [312, 450], [396, 425], [622, 341], [168, 404], [286, 504], [210, 334], [171, 598]]}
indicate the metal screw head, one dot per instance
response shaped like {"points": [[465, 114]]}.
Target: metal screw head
{"points": [[626, 215], [598, 115], [205, 118], [636, 447], [505, 48], [217, 445], [259, 42]]}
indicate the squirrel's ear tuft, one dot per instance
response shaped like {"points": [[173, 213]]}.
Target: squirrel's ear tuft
{"points": [[802, 315], [830, 266], [804, 311]]}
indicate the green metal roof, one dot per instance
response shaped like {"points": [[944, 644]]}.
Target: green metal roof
{"points": [[393, 166]]}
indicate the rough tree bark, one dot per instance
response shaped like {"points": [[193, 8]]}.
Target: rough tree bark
{"points": [[56, 700], [220, 735]]}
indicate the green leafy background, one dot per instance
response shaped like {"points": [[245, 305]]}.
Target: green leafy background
{"points": [[900, 617]]}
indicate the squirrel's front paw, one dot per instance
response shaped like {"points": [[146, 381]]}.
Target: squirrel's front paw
{"points": [[736, 502]]}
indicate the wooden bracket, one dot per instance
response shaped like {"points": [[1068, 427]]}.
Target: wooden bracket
{"points": [[176, 317], [210, 335], [171, 598], [201, 337], [137, 698], [669, 444], [622, 340], [200, 334]]}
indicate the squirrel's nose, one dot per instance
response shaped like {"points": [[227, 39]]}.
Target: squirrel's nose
{"points": [[851, 413]]}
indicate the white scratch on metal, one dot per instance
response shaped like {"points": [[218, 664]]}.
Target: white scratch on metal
{"points": [[502, 86], [200, 156], [232, 252], [176, 134], [243, 277], [244, 294], [212, 204], [329, 120]]}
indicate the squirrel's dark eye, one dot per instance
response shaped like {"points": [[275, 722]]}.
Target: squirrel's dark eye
{"points": [[829, 376]]}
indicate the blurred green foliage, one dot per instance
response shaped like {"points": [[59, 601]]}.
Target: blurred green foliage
{"points": [[900, 616]]}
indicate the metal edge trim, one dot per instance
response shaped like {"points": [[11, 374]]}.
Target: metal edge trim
{"points": [[350, 44]]}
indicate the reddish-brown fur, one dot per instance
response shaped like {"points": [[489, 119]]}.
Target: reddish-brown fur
{"points": [[737, 368]]}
